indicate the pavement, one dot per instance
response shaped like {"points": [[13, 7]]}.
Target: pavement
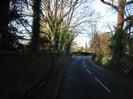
{"points": [[86, 80]]}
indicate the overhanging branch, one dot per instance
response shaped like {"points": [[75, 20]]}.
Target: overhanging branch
{"points": [[110, 4], [129, 2], [129, 18]]}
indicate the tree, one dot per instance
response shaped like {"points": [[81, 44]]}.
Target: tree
{"points": [[120, 9], [100, 47], [36, 24], [56, 21], [118, 43], [4, 10], [10, 19]]}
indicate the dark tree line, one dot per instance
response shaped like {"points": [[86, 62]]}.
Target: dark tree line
{"points": [[10, 13], [48, 23], [36, 24], [4, 20]]}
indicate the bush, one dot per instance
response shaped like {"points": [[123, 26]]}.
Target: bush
{"points": [[117, 45], [105, 60]]}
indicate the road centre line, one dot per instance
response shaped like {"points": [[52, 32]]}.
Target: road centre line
{"points": [[83, 62], [88, 71], [84, 66], [102, 85]]}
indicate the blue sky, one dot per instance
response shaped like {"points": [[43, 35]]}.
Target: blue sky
{"points": [[104, 15]]}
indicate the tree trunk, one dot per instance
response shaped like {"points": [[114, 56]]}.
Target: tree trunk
{"points": [[4, 9], [36, 25], [119, 36], [120, 21]]}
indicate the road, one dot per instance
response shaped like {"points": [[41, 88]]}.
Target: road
{"points": [[85, 80]]}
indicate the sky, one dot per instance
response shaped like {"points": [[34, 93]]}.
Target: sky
{"points": [[105, 17]]}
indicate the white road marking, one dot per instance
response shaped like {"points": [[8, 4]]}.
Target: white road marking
{"points": [[83, 62], [84, 66], [83, 57], [88, 71], [102, 85]]}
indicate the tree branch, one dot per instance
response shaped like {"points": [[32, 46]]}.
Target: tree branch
{"points": [[110, 4], [129, 18], [129, 2]]}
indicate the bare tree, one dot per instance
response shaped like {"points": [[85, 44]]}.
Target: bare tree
{"points": [[57, 16]]}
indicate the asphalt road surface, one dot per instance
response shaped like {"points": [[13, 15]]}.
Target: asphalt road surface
{"points": [[85, 80]]}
